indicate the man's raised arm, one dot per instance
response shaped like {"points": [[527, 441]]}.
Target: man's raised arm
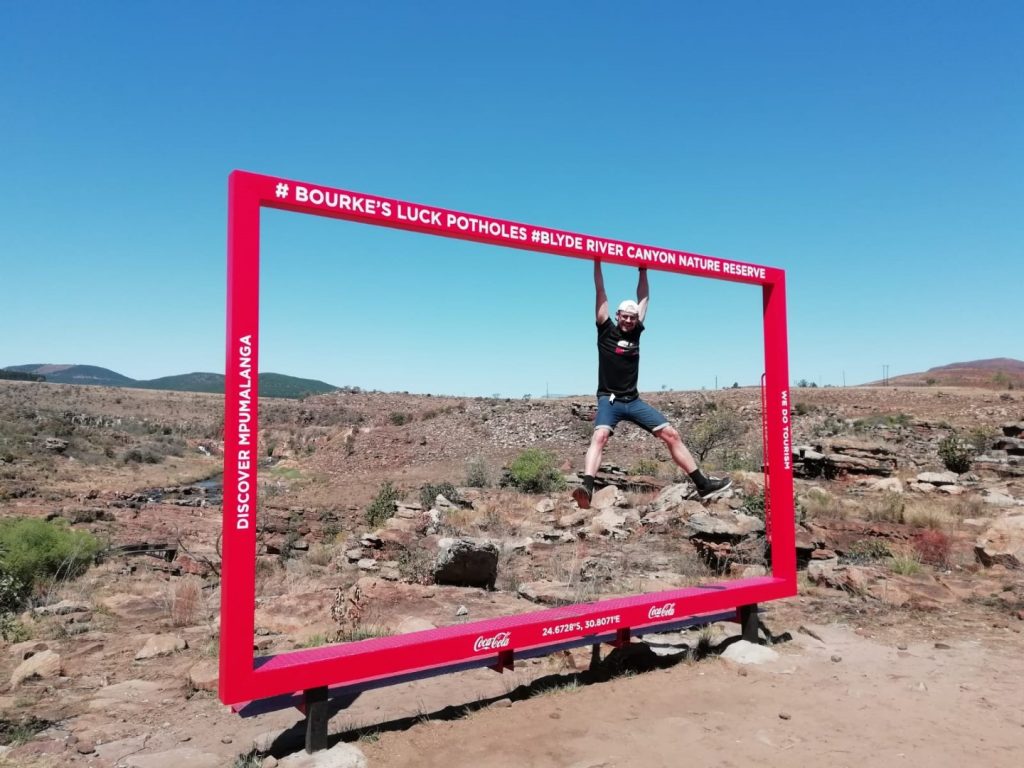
{"points": [[602, 297], [643, 292]]}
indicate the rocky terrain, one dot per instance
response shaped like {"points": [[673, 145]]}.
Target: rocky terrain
{"points": [[387, 513]]}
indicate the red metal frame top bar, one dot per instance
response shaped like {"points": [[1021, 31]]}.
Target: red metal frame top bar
{"points": [[317, 199]]}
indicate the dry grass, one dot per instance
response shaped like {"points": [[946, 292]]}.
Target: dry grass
{"points": [[930, 516], [891, 508], [322, 554], [186, 604], [970, 508], [820, 504]]}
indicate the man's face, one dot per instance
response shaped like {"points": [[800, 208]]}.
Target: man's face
{"points": [[627, 320]]}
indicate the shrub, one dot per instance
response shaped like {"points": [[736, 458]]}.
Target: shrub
{"points": [[755, 505], [429, 494], [12, 595], [321, 554], [477, 474], [956, 453], [882, 421], [647, 467], [891, 508], [719, 427], [906, 565], [933, 547], [383, 505], [33, 550], [534, 471], [867, 550], [981, 439], [186, 602], [398, 419]]}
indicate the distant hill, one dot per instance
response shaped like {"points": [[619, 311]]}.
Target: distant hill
{"points": [[20, 376], [270, 384], [994, 373], [75, 374]]}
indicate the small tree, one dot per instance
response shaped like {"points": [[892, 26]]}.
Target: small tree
{"points": [[383, 505], [718, 428], [956, 453], [430, 492], [534, 471]]}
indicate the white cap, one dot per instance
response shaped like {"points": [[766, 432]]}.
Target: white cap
{"points": [[630, 307]]}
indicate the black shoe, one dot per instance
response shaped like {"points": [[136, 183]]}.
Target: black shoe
{"points": [[714, 486], [582, 497]]}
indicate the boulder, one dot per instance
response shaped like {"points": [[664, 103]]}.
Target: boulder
{"points": [[161, 645], [203, 676], [662, 515], [572, 519], [342, 755], [745, 652], [466, 562], [549, 592], [1003, 543], [728, 524], [670, 499], [45, 664], [607, 497], [609, 523], [62, 608], [886, 485]]}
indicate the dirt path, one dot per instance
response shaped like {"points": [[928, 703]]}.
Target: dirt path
{"points": [[847, 701]]}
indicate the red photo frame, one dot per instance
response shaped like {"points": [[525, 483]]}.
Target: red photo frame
{"points": [[349, 667]]}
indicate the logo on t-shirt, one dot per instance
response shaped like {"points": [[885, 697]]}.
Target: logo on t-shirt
{"points": [[625, 347]]}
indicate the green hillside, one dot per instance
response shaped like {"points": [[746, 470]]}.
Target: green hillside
{"points": [[270, 384]]}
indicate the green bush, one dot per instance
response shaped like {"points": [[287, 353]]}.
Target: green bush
{"points": [[33, 551], [534, 471], [12, 596], [867, 550], [755, 505], [429, 493], [383, 505], [647, 467], [956, 453]]}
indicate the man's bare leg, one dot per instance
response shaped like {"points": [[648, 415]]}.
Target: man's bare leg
{"points": [[591, 464], [706, 486]]}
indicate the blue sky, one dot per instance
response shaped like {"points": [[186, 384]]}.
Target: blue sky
{"points": [[873, 150]]}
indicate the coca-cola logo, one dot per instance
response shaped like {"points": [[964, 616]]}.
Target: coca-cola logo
{"points": [[662, 611], [500, 640]]}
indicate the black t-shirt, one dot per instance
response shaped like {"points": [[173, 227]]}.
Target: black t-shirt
{"points": [[618, 360]]}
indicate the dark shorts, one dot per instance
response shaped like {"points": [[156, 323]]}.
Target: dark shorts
{"points": [[637, 411]]}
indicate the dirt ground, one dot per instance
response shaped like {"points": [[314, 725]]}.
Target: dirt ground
{"points": [[860, 680], [923, 691]]}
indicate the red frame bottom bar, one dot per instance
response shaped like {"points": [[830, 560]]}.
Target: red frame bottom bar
{"points": [[390, 658]]}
